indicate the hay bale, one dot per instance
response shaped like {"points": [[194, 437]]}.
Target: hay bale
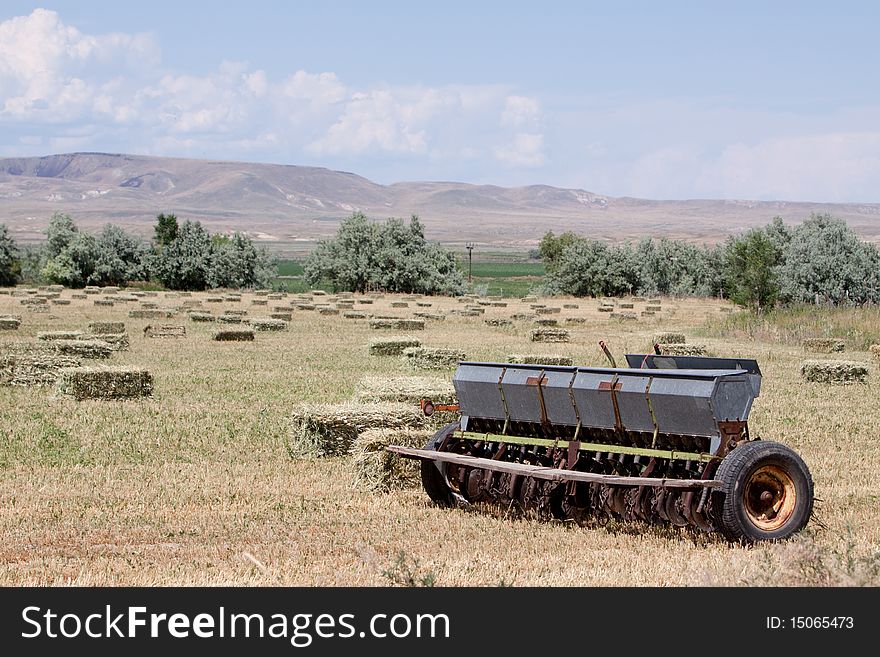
{"points": [[522, 317], [318, 293], [268, 324], [399, 304], [626, 305], [432, 358], [398, 324], [149, 305], [478, 310], [824, 345], [639, 299], [104, 302], [499, 304], [238, 313], [91, 291], [165, 331], [232, 335], [392, 346], [104, 383], [33, 301], [653, 309], [91, 349], [202, 317], [498, 321], [875, 350], [669, 338], [100, 328], [344, 304], [59, 335], [606, 309], [573, 321], [60, 302], [319, 430], [284, 317], [436, 317], [648, 313], [9, 323], [465, 313], [673, 349], [548, 311], [32, 364], [539, 359], [834, 371], [275, 297], [79, 295], [231, 319], [624, 316], [117, 341], [365, 302], [549, 335], [376, 470], [424, 304], [529, 299], [328, 311], [261, 293], [354, 314], [259, 302], [213, 299], [570, 306], [404, 389], [232, 298], [546, 321], [304, 306], [151, 313], [110, 289]]}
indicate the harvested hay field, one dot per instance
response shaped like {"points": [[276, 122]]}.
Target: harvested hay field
{"points": [[392, 346], [834, 371], [378, 471], [29, 364], [550, 335], [432, 358], [824, 345], [233, 335], [319, 430], [404, 389], [104, 383], [539, 359], [398, 324]]}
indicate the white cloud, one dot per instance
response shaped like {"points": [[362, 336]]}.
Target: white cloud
{"points": [[525, 150], [521, 112]]}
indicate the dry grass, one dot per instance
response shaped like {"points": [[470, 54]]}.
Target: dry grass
{"points": [[174, 489]]}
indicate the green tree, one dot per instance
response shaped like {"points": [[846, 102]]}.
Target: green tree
{"points": [[10, 261], [121, 257], [59, 234], [551, 247], [237, 262], [75, 264], [391, 255], [185, 263], [750, 269], [826, 261], [166, 229]]}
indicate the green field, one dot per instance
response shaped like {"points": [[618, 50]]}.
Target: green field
{"points": [[514, 278]]}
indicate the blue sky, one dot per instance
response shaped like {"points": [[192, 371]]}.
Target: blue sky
{"points": [[660, 100]]}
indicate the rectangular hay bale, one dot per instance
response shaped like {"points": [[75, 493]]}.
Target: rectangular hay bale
{"points": [[398, 324], [549, 335], [233, 335], [377, 470], [104, 383], [432, 358], [834, 371], [392, 346]]}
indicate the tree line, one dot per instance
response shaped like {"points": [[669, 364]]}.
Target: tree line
{"points": [[820, 260], [182, 256]]}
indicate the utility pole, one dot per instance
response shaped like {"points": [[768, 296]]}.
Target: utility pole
{"points": [[470, 247]]}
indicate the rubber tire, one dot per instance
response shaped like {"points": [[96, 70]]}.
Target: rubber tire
{"points": [[433, 479], [736, 469]]}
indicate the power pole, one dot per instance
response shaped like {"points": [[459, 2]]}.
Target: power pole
{"points": [[470, 248]]}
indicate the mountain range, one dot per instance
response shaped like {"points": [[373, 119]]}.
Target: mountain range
{"points": [[288, 207]]}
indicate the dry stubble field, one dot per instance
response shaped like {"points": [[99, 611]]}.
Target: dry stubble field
{"points": [[195, 486]]}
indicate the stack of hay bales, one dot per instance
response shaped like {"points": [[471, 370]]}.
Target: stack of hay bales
{"points": [[227, 318], [365, 301], [376, 470], [29, 364], [202, 317], [571, 321], [653, 308], [283, 316], [499, 304], [319, 430], [392, 346], [213, 299], [477, 310], [606, 307], [165, 331], [834, 371], [104, 383], [498, 321], [626, 305], [549, 335], [673, 349], [432, 358], [399, 304], [669, 338], [398, 324], [404, 389], [104, 302], [570, 306], [354, 314], [232, 335], [824, 345], [113, 333], [268, 324], [303, 305], [539, 359], [9, 323], [259, 302], [91, 290], [345, 304]]}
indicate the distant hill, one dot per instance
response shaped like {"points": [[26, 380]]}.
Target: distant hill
{"points": [[291, 206]]}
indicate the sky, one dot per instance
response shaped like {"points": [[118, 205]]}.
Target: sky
{"points": [[666, 100]]}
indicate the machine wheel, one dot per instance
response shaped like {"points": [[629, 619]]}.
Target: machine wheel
{"points": [[766, 492], [433, 478]]}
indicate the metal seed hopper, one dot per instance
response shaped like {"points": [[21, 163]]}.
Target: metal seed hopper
{"points": [[663, 440]]}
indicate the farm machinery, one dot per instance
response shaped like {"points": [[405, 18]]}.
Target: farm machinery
{"points": [[664, 440]]}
